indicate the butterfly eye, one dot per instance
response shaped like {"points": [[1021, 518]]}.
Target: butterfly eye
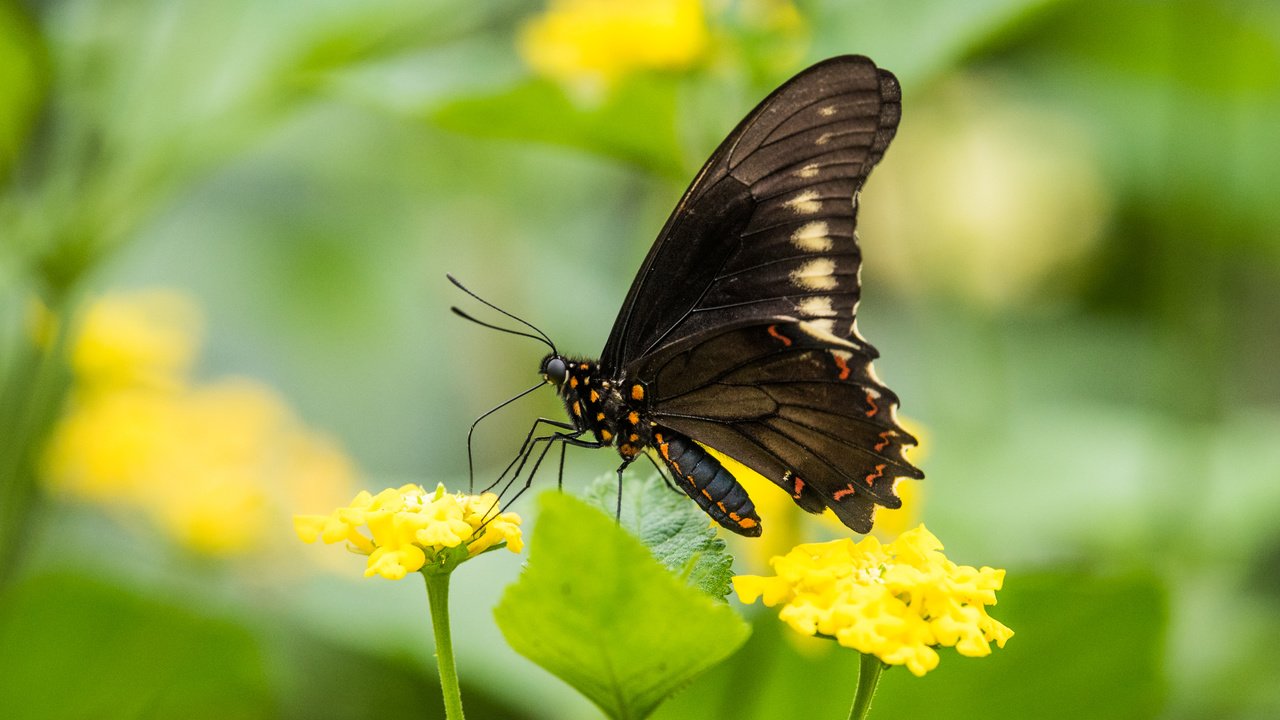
{"points": [[555, 370]]}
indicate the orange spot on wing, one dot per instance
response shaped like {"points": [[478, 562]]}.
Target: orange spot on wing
{"points": [[884, 441], [843, 493], [637, 392], [577, 408], [844, 367], [748, 523], [606, 435], [595, 396], [871, 478], [799, 487], [773, 330], [633, 418], [874, 408]]}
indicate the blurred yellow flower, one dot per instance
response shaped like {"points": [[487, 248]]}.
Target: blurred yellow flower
{"points": [[592, 43], [896, 601], [145, 339], [212, 465], [409, 528]]}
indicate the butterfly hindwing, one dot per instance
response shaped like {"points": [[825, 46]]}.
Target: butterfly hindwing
{"points": [[790, 405]]}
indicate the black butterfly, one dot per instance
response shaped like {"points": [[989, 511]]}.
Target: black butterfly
{"points": [[739, 333]]}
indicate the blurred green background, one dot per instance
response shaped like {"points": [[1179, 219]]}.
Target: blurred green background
{"points": [[1072, 270]]}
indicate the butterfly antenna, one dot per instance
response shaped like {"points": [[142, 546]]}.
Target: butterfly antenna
{"points": [[541, 335], [460, 313]]}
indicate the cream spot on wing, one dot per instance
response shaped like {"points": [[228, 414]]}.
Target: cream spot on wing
{"points": [[822, 330], [812, 237], [805, 202], [826, 326], [815, 275], [824, 138], [827, 111], [816, 306], [808, 171], [853, 327]]}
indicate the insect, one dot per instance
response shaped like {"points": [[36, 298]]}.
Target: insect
{"points": [[739, 331]]}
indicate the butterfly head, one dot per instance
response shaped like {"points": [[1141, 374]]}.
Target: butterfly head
{"points": [[555, 369]]}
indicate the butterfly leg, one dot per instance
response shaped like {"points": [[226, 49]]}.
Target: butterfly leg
{"points": [[527, 450], [524, 446], [560, 475], [572, 438], [617, 513]]}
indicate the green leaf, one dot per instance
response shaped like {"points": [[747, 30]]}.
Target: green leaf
{"points": [[634, 123], [678, 534], [77, 647], [595, 608]]}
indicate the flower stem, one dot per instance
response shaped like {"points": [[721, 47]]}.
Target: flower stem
{"points": [[438, 597], [29, 402], [868, 678]]}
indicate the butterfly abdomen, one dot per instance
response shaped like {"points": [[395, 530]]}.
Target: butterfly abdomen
{"points": [[711, 486]]}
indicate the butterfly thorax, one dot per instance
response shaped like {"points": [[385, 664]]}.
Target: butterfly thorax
{"points": [[612, 409], [616, 410]]}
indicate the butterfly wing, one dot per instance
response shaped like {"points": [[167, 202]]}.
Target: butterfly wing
{"points": [[805, 412], [774, 203], [742, 318]]}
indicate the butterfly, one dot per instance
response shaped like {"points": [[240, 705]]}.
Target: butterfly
{"points": [[739, 331]]}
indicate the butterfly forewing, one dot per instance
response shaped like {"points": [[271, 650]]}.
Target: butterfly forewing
{"points": [[742, 318], [766, 229]]}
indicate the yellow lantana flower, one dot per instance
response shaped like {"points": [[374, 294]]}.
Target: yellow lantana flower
{"points": [[593, 43], [896, 601], [409, 529]]}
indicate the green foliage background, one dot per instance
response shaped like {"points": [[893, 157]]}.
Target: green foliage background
{"points": [[1105, 428]]}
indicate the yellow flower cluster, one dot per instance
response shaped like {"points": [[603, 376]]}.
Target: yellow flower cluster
{"points": [[896, 601], [596, 42], [212, 465], [410, 528]]}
